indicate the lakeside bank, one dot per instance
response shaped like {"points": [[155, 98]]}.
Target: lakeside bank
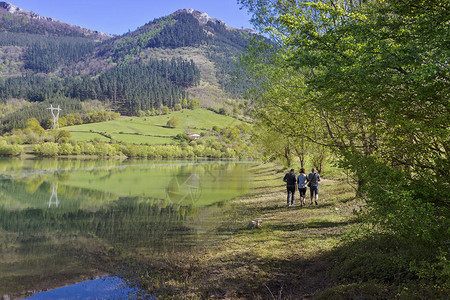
{"points": [[328, 251], [286, 258]]}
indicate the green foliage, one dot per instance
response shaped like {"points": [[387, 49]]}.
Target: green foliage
{"points": [[370, 81], [17, 24], [34, 126], [173, 122], [153, 129], [46, 57], [47, 149], [10, 150], [133, 87], [120, 71], [65, 149], [234, 148], [62, 135], [193, 103], [182, 137], [185, 31], [18, 119]]}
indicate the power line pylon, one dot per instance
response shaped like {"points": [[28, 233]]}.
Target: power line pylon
{"points": [[55, 124]]}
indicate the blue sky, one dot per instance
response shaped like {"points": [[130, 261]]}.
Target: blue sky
{"points": [[119, 16]]}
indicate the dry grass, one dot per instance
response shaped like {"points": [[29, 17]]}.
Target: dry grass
{"points": [[283, 259]]}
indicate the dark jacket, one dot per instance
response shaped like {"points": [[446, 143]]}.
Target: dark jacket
{"points": [[290, 179]]}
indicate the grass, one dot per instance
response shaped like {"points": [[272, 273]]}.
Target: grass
{"points": [[88, 136], [310, 252], [282, 258], [151, 130]]}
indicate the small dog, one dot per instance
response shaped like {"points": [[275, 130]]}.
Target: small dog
{"points": [[254, 224]]}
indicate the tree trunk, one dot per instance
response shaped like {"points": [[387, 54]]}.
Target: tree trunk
{"points": [[287, 155]]}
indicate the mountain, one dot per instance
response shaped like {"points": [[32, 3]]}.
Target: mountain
{"points": [[169, 61], [18, 20]]}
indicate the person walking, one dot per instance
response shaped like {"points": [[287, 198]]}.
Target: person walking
{"points": [[313, 183], [301, 181], [291, 182]]}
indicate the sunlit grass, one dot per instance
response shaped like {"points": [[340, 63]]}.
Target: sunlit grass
{"points": [[151, 130]]}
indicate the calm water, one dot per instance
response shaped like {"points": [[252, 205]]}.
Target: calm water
{"points": [[58, 217]]}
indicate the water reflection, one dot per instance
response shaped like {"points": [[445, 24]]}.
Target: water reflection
{"points": [[104, 288], [54, 196], [58, 217], [184, 190]]}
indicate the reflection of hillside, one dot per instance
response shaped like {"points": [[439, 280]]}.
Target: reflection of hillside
{"points": [[39, 243], [103, 205], [70, 198]]}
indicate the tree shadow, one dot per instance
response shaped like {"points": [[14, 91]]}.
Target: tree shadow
{"points": [[307, 225]]}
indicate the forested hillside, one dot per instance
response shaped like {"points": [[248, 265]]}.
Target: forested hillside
{"points": [[18, 20], [136, 86], [42, 59]]}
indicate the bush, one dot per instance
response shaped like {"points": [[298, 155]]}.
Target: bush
{"points": [[31, 138], [14, 140], [62, 136], [88, 149], [173, 122], [10, 150], [182, 137], [77, 150], [104, 150], [65, 149], [47, 149]]}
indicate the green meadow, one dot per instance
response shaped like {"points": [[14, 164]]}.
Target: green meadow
{"points": [[151, 130]]}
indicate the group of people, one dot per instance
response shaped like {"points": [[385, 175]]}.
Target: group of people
{"points": [[301, 182]]}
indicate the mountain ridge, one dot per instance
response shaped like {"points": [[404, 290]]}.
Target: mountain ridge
{"points": [[204, 18], [165, 62], [41, 21]]}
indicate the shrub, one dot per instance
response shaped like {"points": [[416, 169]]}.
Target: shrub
{"points": [[62, 136], [34, 126], [14, 140], [77, 150], [10, 150], [182, 137], [31, 138], [88, 149], [173, 122], [65, 149], [47, 149], [104, 150]]}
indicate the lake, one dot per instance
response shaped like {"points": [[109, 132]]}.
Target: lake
{"points": [[58, 217]]}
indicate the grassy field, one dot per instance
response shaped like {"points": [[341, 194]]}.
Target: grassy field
{"points": [[283, 259], [319, 251], [151, 130]]}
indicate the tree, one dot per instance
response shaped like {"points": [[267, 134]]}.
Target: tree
{"points": [[166, 110], [173, 122], [374, 75], [34, 126]]}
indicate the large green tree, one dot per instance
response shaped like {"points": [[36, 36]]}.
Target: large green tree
{"points": [[372, 77]]}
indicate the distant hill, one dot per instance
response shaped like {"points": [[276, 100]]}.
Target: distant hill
{"points": [[151, 130], [184, 55], [18, 20]]}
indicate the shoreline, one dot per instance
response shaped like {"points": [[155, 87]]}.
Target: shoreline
{"points": [[285, 258]]}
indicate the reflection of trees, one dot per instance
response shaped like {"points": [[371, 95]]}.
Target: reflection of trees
{"points": [[131, 222], [69, 197], [10, 164], [32, 184], [90, 220], [103, 214]]}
